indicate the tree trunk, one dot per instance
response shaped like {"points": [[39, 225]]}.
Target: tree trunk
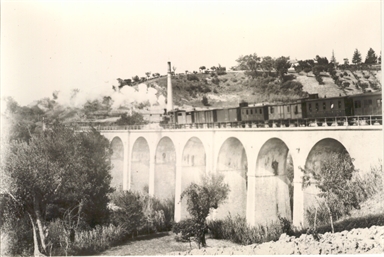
{"points": [[36, 206], [330, 217], [36, 251]]}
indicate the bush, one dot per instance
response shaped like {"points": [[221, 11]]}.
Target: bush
{"points": [[192, 77], [140, 213], [215, 80], [345, 84], [238, 231]]}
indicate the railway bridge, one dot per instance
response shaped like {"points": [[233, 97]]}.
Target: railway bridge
{"points": [[257, 163]]}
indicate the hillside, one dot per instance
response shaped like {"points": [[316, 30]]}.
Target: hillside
{"points": [[235, 86]]}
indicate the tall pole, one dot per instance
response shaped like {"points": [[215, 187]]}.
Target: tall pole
{"points": [[169, 89]]}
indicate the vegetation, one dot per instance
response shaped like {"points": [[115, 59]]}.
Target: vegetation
{"points": [[334, 180], [237, 230], [57, 174], [200, 200], [134, 119]]}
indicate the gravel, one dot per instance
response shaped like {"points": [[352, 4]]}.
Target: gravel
{"points": [[357, 241]]}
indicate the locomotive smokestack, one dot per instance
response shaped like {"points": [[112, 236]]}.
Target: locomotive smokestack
{"points": [[169, 89]]}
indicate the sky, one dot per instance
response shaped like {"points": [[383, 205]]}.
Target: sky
{"points": [[49, 46]]}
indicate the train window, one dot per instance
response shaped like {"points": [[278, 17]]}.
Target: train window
{"points": [[261, 111], [339, 104], [324, 105], [310, 107], [271, 109], [179, 114], [317, 107], [370, 102], [357, 104], [332, 106], [251, 111], [247, 112], [287, 108], [365, 102], [379, 101], [296, 109]]}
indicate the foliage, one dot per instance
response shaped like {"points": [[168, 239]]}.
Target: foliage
{"points": [[237, 230], [140, 213], [371, 57], [205, 101], [248, 62], [55, 171], [282, 65], [23, 121], [192, 77], [134, 119], [356, 58], [334, 180], [201, 199]]}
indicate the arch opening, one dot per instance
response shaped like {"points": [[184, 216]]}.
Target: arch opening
{"points": [[165, 169], [232, 163], [117, 160], [140, 166], [273, 182], [193, 166], [320, 152]]}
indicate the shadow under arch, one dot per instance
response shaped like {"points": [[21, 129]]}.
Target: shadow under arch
{"points": [[193, 167], [272, 182], [165, 169], [140, 161], [233, 164], [117, 160]]}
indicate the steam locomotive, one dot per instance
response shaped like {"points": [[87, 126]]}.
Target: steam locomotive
{"points": [[312, 111]]}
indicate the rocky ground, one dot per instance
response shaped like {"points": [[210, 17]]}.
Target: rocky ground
{"points": [[356, 241]]}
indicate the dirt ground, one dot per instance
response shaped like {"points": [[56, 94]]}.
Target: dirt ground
{"points": [[160, 244]]}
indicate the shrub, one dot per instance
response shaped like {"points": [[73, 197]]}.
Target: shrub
{"points": [[346, 84], [237, 230], [234, 80], [192, 77], [215, 80]]}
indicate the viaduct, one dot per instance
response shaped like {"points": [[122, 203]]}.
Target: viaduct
{"points": [[254, 161]]}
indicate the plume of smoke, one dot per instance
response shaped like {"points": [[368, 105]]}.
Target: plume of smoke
{"points": [[126, 97]]}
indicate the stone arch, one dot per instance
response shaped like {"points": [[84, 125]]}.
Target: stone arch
{"points": [[272, 182], [233, 164], [313, 161], [165, 169], [117, 160], [193, 166], [140, 161]]}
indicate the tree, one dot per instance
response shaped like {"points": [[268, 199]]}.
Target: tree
{"points": [[205, 101], [356, 59], [148, 74], [333, 59], [136, 79], [202, 68], [55, 171], [201, 199], [371, 57], [249, 62], [333, 178], [282, 65], [134, 119], [267, 64]]}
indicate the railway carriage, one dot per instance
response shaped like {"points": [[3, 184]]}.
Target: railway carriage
{"points": [[367, 104], [254, 113], [328, 107]]}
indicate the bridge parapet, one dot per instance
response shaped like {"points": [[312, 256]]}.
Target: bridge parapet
{"points": [[336, 122]]}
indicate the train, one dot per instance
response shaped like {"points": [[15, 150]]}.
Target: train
{"points": [[357, 109]]}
